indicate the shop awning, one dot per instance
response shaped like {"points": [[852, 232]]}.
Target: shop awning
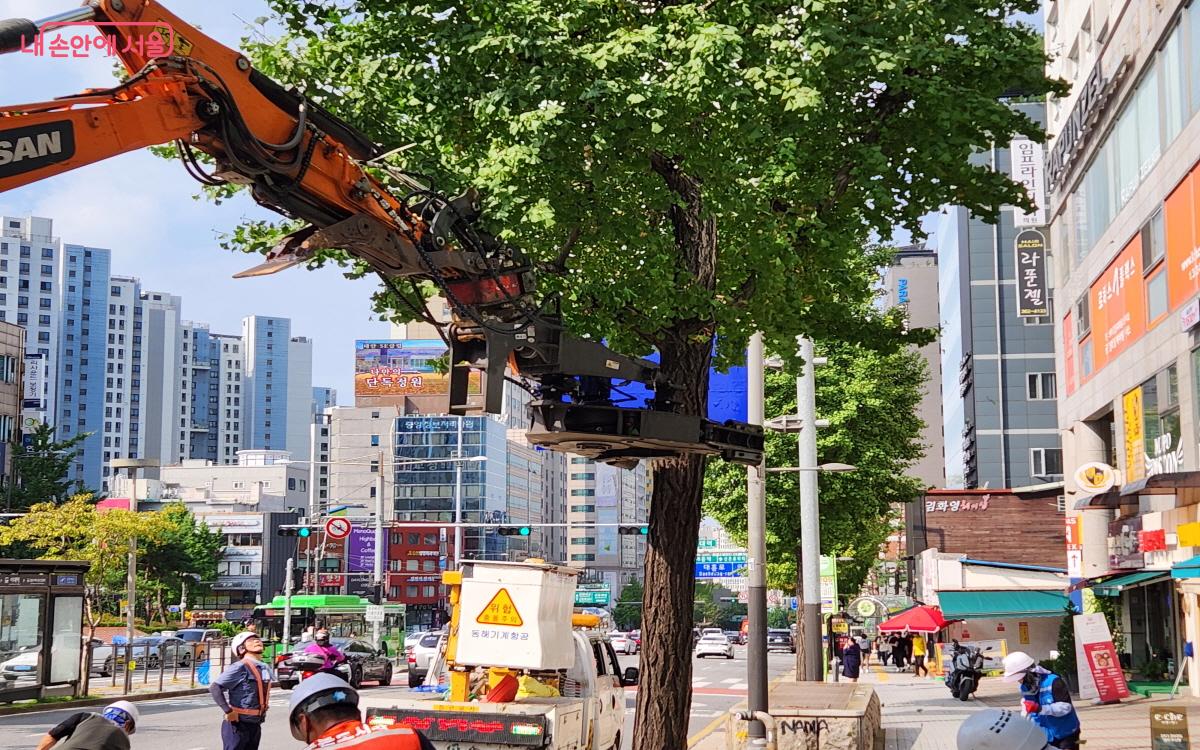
{"points": [[1187, 568], [974, 605], [919, 619], [1114, 586]]}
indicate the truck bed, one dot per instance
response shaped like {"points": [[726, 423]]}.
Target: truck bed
{"points": [[556, 723]]}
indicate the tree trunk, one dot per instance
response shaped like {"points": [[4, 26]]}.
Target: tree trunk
{"points": [[685, 353], [665, 693]]}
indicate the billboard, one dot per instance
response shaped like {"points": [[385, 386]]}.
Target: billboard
{"points": [[360, 550], [390, 370], [35, 382]]}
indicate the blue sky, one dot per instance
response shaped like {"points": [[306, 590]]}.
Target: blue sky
{"points": [[142, 208]]}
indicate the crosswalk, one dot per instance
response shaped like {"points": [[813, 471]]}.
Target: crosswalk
{"points": [[729, 683]]}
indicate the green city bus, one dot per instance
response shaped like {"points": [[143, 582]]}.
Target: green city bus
{"points": [[344, 615]]}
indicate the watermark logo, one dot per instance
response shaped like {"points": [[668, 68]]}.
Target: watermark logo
{"points": [[80, 39]]}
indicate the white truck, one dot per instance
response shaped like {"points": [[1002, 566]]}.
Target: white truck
{"points": [[588, 714]]}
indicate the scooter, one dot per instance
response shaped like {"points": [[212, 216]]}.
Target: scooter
{"points": [[966, 670], [306, 665]]}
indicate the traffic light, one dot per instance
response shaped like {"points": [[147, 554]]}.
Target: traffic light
{"points": [[633, 530], [301, 531], [514, 531]]}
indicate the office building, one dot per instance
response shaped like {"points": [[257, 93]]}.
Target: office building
{"points": [[1124, 178], [358, 440], [322, 399], [998, 379], [911, 283], [277, 369], [161, 388]]}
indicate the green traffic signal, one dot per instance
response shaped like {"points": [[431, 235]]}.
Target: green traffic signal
{"points": [[633, 530], [305, 532], [523, 531]]}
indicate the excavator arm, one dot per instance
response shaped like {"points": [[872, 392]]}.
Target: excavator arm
{"points": [[303, 162]]}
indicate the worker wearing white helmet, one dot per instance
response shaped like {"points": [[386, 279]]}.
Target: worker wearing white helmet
{"points": [[323, 712], [243, 693], [1000, 729], [108, 730], [1045, 700]]}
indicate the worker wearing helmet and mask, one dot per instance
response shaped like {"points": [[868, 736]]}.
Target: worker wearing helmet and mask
{"points": [[247, 682], [108, 730], [323, 712], [1045, 700]]}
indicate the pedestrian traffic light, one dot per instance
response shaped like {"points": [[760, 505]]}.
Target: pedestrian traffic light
{"points": [[301, 531], [633, 530], [514, 531]]}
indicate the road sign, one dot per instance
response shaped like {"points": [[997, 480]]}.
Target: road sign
{"points": [[374, 613], [720, 570], [706, 544], [728, 557], [338, 528], [592, 595]]}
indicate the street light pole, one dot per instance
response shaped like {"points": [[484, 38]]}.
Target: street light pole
{"points": [[458, 533], [379, 542], [756, 561], [809, 629]]}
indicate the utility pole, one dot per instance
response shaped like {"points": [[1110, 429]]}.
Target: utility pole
{"points": [[808, 655], [379, 542], [756, 501], [458, 529], [288, 582]]}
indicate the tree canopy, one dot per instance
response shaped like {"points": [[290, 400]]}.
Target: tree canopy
{"points": [[42, 469], [870, 400]]}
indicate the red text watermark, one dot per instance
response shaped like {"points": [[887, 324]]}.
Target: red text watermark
{"points": [[81, 39]]}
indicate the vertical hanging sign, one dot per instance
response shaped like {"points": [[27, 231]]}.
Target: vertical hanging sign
{"points": [[1028, 168], [1033, 293]]}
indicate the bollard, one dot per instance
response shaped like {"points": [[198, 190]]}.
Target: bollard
{"points": [[162, 666], [193, 661], [113, 670], [146, 664], [127, 681], [175, 663]]}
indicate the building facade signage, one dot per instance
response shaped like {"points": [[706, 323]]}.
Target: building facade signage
{"points": [[230, 524], [1124, 544], [1074, 547], [1118, 305], [1135, 451], [35, 381], [1028, 168], [1033, 288], [956, 506], [1183, 250], [1094, 477], [902, 291], [1153, 541], [1089, 105], [1189, 316], [243, 553], [1188, 534], [236, 582], [1164, 459], [1169, 728], [360, 551]]}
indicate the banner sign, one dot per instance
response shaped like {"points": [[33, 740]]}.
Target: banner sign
{"points": [[1074, 548], [403, 367], [1169, 728], [1027, 161], [1103, 677], [1132, 417], [35, 381], [829, 588], [360, 551], [1033, 288]]}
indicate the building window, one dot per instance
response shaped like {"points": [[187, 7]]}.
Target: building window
{"points": [[1160, 410], [583, 508], [589, 557], [374, 440], [583, 493], [1046, 462], [584, 476], [583, 540], [1040, 386]]}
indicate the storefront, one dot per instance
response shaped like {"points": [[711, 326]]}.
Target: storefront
{"points": [[41, 628]]}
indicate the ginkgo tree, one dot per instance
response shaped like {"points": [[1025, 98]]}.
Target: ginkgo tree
{"points": [[702, 170]]}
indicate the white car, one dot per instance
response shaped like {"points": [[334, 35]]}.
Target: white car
{"points": [[622, 643], [714, 645], [421, 655], [22, 665]]}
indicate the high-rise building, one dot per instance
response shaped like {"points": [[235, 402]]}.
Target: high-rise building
{"points": [[322, 398], [12, 363], [82, 357], [30, 278], [272, 360], [359, 439], [998, 380], [162, 383], [911, 283]]}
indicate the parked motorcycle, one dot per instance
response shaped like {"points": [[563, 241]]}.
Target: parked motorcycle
{"points": [[966, 670]]}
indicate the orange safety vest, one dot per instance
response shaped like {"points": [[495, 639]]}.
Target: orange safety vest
{"points": [[263, 690], [355, 734]]}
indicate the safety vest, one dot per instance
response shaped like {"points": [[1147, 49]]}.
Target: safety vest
{"points": [[362, 737], [1055, 727], [262, 688]]}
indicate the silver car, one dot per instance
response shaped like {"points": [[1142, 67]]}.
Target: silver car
{"points": [[420, 656], [714, 645], [148, 652]]}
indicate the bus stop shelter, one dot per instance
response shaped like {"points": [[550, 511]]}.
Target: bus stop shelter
{"points": [[41, 628]]}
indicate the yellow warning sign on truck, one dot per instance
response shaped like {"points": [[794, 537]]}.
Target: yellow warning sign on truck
{"points": [[500, 611]]}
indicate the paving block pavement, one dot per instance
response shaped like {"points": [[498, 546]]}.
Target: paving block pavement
{"points": [[920, 714]]}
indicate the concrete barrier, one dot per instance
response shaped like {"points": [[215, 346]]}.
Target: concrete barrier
{"points": [[819, 716]]}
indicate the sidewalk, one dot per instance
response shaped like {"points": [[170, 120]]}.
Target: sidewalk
{"points": [[920, 714]]}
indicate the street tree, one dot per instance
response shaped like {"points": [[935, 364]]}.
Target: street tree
{"points": [[693, 171], [870, 399], [76, 530], [186, 547], [42, 469], [628, 611]]}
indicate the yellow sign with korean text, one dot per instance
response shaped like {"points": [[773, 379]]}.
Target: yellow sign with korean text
{"points": [[500, 611], [1132, 418], [1189, 534]]}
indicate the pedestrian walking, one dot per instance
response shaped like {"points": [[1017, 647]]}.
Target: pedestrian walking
{"points": [[864, 643], [851, 660], [323, 713], [1045, 700], [108, 730], [883, 647], [920, 648], [243, 693], [899, 653]]}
